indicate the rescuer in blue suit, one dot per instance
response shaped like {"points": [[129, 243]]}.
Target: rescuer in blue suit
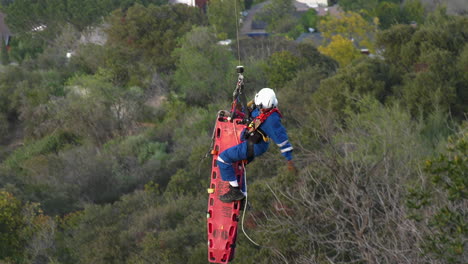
{"points": [[266, 125]]}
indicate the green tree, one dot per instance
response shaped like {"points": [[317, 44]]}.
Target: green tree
{"points": [[248, 3], [427, 58], [439, 205], [433, 86], [341, 49], [146, 34], [296, 95], [311, 57], [357, 5], [337, 195], [21, 91], [28, 15], [140, 227], [4, 128], [53, 143], [403, 44], [281, 67], [363, 6], [92, 106], [4, 3], [97, 107], [23, 230], [89, 58], [9, 103], [25, 15], [275, 12], [352, 26], [4, 53], [413, 11], [462, 67], [205, 69], [288, 25], [309, 19], [391, 13], [366, 77], [37, 23], [395, 42], [11, 224], [62, 171], [26, 46], [223, 17]]}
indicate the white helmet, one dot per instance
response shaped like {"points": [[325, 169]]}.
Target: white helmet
{"points": [[266, 98]]}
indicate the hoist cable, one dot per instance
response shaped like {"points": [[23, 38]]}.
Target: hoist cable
{"points": [[237, 31], [243, 165]]}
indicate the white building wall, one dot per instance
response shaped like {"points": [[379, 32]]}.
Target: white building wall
{"points": [[314, 3], [187, 2]]}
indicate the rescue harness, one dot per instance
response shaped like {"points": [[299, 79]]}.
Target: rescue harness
{"points": [[254, 134]]}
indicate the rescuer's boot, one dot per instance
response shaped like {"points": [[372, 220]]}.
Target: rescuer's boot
{"points": [[234, 194]]}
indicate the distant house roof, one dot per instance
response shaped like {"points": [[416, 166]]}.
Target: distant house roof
{"points": [[301, 7], [332, 10], [315, 37], [258, 34], [4, 30]]}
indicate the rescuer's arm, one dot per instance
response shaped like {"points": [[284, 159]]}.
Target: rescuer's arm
{"points": [[276, 131]]}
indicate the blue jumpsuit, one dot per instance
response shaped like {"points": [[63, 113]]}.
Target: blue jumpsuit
{"points": [[273, 129]]}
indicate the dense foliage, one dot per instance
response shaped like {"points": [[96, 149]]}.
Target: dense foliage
{"points": [[102, 153]]}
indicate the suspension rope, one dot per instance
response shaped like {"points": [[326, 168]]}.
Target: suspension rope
{"points": [[245, 209], [246, 193]]}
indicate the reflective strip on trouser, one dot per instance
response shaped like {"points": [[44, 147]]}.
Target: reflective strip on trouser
{"points": [[221, 160], [282, 144], [286, 149]]}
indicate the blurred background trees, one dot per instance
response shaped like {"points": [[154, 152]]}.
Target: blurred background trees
{"points": [[222, 17], [102, 154], [440, 201], [201, 75]]}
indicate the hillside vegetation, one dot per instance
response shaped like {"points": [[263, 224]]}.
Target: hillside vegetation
{"points": [[102, 153]]}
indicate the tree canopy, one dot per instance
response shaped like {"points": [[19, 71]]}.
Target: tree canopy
{"points": [[103, 144], [225, 16], [149, 33]]}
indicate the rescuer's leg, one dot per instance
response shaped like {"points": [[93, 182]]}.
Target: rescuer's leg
{"points": [[224, 161]]}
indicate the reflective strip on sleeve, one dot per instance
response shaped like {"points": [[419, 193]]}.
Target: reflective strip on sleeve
{"points": [[286, 149], [282, 144]]}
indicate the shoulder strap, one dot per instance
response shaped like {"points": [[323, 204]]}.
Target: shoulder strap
{"points": [[265, 115], [255, 124]]}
